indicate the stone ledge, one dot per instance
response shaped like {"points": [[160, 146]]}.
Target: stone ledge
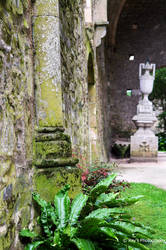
{"points": [[53, 149], [58, 135], [49, 129], [101, 23], [143, 159], [60, 162]]}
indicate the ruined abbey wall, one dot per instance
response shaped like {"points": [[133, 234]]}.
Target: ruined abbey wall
{"points": [[74, 75], [31, 119], [16, 120], [18, 113]]}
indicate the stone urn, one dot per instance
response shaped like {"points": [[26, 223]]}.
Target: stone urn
{"points": [[146, 79]]}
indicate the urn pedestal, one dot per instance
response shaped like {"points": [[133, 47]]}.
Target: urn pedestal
{"points": [[144, 143]]}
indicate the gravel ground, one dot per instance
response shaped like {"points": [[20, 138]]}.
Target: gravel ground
{"points": [[152, 173]]}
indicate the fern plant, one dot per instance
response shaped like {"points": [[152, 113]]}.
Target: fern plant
{"points": [[89, 222]]}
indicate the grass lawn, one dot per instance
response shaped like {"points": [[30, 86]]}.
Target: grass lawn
{"points": [[150, 210]]}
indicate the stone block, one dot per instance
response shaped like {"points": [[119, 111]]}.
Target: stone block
{"points": [[53, 149], [46, 8], [100, 11], [144, 148], [47, 182]]}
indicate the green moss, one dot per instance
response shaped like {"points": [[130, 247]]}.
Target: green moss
{"points": [[59, 162], [48, 7], [49, 94], [89, 49], [16, 118], [21, 42], [25, 216], [52, 137], [22, 190], [49, 182], [15, 7], [51, 102], [52, 149], [5, 243], [18, 7]]}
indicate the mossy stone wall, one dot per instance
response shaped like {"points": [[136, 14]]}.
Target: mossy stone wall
{"points": [[55, 180], [74, 75], [16, 120], [59, 85]]}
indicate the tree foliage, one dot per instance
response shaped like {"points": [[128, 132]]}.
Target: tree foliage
{"points": [[159, 89], [159, 94]]}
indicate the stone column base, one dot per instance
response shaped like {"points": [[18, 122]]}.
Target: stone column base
{"points": [[54, 165], [143, 149], [47, 182]]}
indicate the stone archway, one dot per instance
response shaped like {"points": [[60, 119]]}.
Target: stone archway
{"points": [[115, 8], [137, 32]]}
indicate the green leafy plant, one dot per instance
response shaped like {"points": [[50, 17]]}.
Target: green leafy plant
{"points": [[97, 172], [158, 95], [94, 173], [120, 151], [162, 121], [162, 141], [89, 222]]}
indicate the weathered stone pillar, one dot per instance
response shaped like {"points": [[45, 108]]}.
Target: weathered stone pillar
{"points": [[47, 64], [53, 155]]}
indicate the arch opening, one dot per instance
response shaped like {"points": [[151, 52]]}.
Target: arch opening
{"points": [[137, 33], [92, 109]]}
